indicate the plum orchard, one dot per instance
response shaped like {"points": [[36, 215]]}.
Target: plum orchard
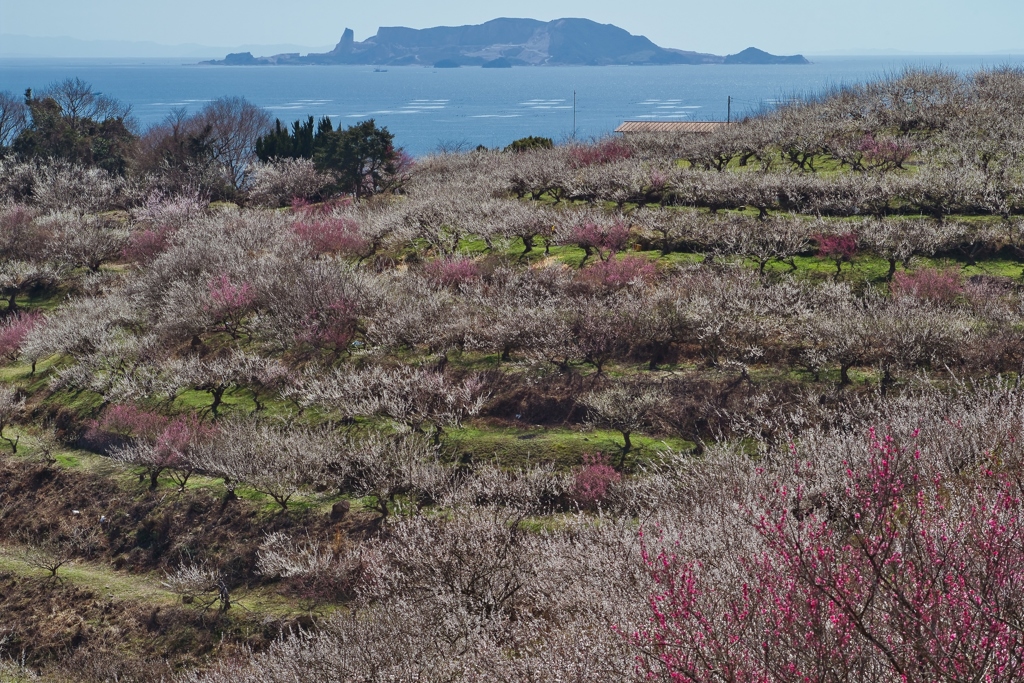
{"points": [[819, 308]]}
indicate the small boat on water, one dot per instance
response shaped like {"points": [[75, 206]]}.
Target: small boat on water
{"points": [[379, 70]]}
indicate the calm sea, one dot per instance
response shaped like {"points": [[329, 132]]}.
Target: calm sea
{"points": [[467, 107]]}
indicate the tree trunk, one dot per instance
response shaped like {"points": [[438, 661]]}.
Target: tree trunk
{"points": [[626, 448], [844, 374], [886, 381], [218, 396], [224, 596]]}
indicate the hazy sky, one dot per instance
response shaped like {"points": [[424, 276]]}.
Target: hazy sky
{"points": [[718, 26]]}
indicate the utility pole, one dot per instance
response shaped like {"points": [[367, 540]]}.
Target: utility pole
{"points": [[573, 114], [728, 115]]}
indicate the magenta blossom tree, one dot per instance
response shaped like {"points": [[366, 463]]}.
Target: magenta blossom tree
{"points": [[334, 236], [129, 422], [885, 154], [229, 303], [615, 274], [152, 441], [332, 328], [605, 240], [452, 272], [145, 245], [839, 249], [897, 575], [933, 284], [592, 481], [13, 331], [175, 447], [604, 152]]}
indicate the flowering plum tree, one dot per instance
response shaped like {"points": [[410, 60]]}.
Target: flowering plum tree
{"points": [[229, 303], [839, 249], [928, 283], [885, 154], [893, 574], [332, 329], [14, 330], [145, 245], [591, 483], [333, 235], [615, 274], [452, 272], [604, 152], [155, 442], [605, 240], [627, 407], [11, 407]]}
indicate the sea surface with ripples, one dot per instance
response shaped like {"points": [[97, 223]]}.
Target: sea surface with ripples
{"points": [[461, 108]]}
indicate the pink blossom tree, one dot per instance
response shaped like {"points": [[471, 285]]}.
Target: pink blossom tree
{"points": [[885, 154], [933, 284], [176, 445], [593, 480], [229, 303], [333, 236], [605, 240], [897, 574], [145, 245], [604, 152], [14, 330], [154, 442], [331, 328], [839, 249], [452, 272], [614, 274]]}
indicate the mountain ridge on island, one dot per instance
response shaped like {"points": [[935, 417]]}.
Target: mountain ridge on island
{"points": [[516, 42]]}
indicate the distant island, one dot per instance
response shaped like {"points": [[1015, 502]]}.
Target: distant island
{"points": [[503, 43]]}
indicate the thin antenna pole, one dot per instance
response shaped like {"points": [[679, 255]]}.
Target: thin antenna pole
{"points": [[573, 114], [728, 116]]}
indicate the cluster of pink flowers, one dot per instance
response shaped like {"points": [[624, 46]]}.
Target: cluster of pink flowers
{"points": [[332, 236], [841, 247], [332, 328], [131, 422], [900, 571], [146, 245], [604, 152], [617, 273], [885, 153], [605, 239], [14, 330], [229, 302], [451, 272], [939, 285], [591, 483], [179, 436], [170, 437], [325, 233]]}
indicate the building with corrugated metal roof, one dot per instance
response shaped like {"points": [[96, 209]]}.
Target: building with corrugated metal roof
{"points": [[671, 126]]}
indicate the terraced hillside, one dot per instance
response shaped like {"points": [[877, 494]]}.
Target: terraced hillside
{"points": [[742, 406]]}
